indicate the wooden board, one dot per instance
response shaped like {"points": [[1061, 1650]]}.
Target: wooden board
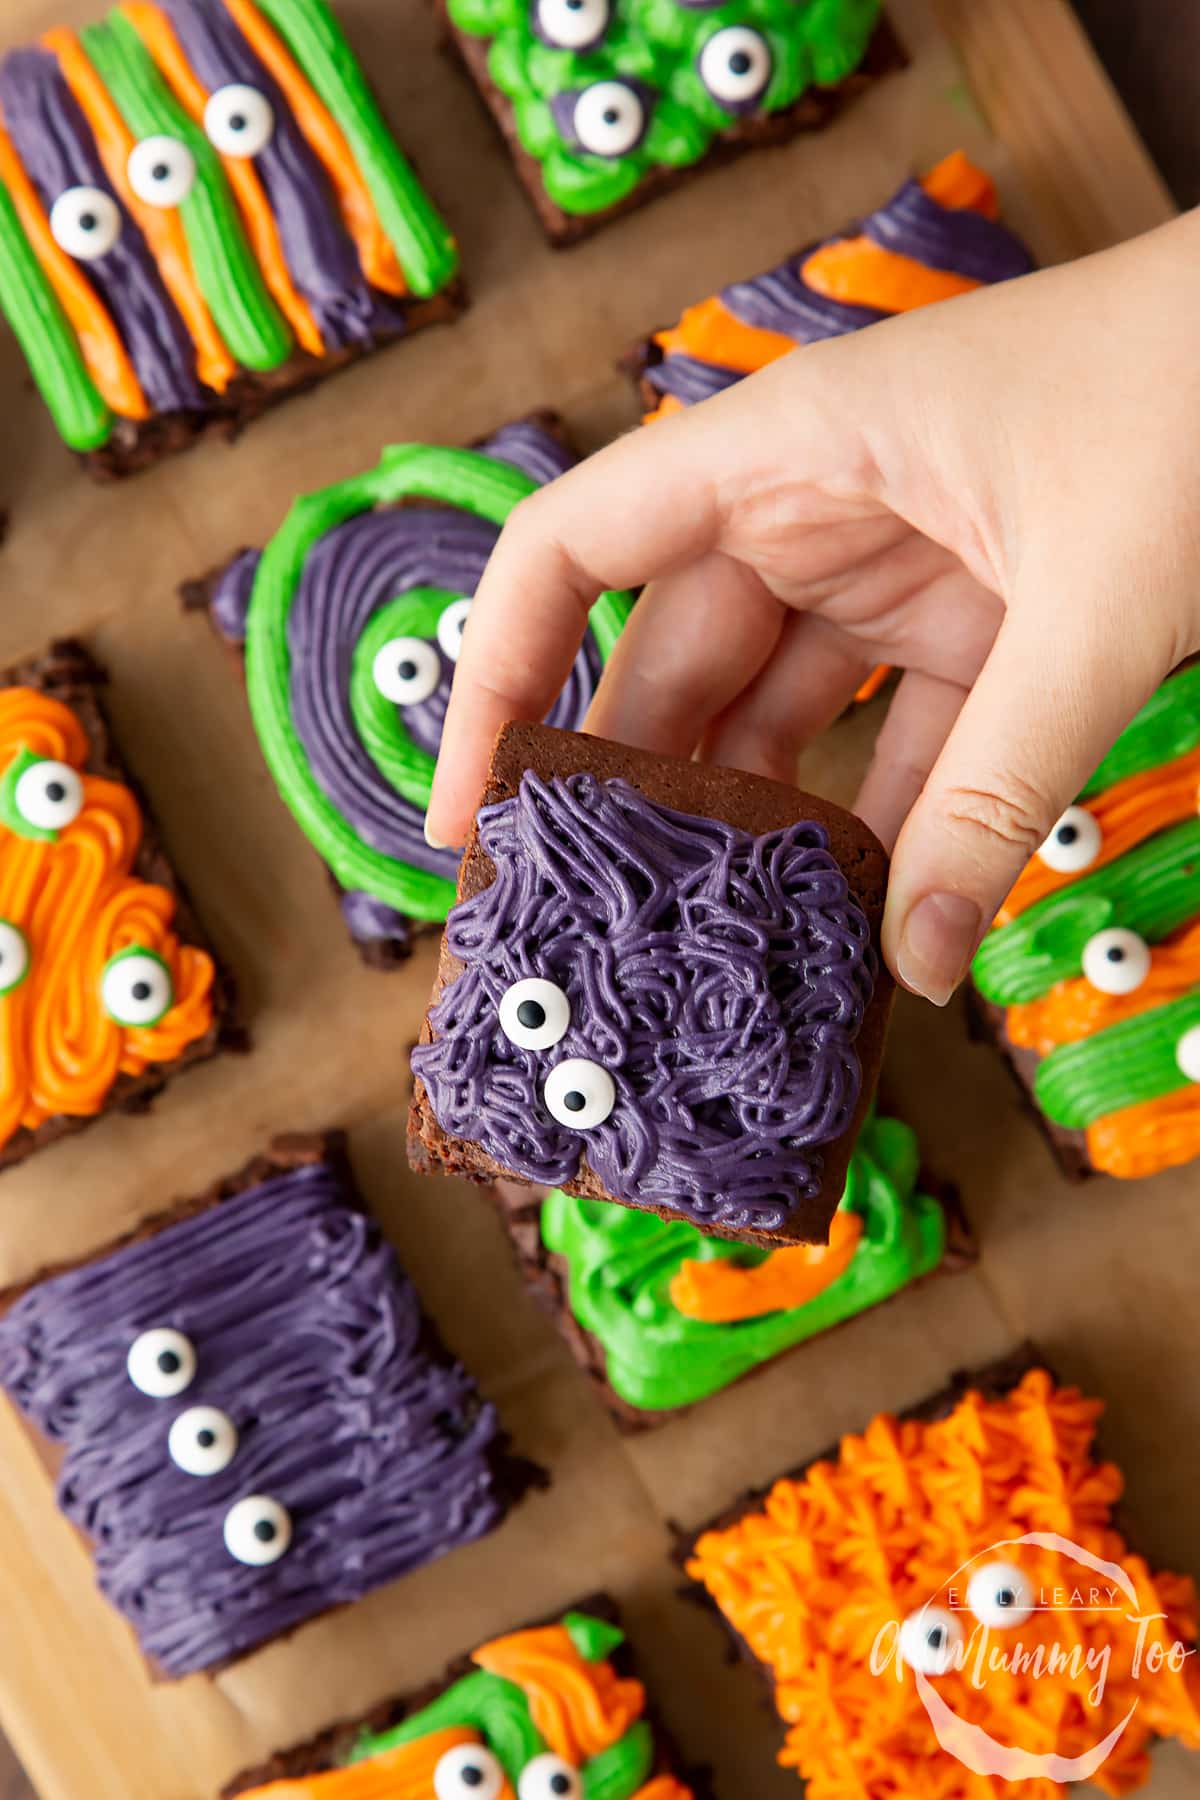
{"points": [[1102, 1275]]}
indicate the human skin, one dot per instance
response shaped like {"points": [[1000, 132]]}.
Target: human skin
{"points": [[999, 495]]}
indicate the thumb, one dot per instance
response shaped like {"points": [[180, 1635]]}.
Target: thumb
{"points": [[1052, 698]]}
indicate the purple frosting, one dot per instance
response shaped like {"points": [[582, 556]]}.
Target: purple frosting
{"points": [[372, 921], [689, 379], [320, 254], [229, 601], [310, 1339], [720, 979], [955, 238], [54, 143]]}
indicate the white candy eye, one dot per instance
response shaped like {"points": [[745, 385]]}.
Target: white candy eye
{"points": [[468, 1772], [202, 1441], [609, 118], [735, 65], [161, 1363], [579, 1093], [1116, 961], [407, 670], [14, 956], [238, 120], [257, 1530], [1074, 844], [451, 626], [1187, 1054], [136, 988], [549, 1778], [573, 24], [161, 171], [999, 1595], [85, 222], [49, 795], [929, 1638], [534, 1014]]}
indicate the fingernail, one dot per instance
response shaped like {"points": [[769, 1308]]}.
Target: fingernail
{"points": [[936, 945], [435, 843]]}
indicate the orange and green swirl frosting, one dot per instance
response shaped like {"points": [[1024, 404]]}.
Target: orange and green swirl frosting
{"points": [[547, 1698], [78, 929], [1115, 886], [829, 1560]]}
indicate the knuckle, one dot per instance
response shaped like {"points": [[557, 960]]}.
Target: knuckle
{"points": [[1013, 818]]}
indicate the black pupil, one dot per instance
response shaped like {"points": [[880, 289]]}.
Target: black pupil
{"points": [[206, 1438], [88, 221], [574, 1101], [168, 1362], [1066, 834], [264, 1531], [739, 62], [936, 1638], [611, 116], [472, 1776], [141, 990], [55, 790], [531, 1014], [161, 171], [407, 669], [237, 121], [574, 5], [1116, 954], [560, 1784], [1005, 1597]]}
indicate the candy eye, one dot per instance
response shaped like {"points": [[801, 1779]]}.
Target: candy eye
{"points": [[1187, 1054], [161, 171], [609, 118], [451, 626], [14, 956], [549, 1778], [579, 1093], [1074, 844], [998, 1594], [136, 988], [406, 670], [929, 1638], [573, 24], [238, 120], [49, 795], [202, 1441], [468, 1772], [257, 1530], [161, 1363], [534, 1014], [735, 65], [85, 222], [1116, 961]]}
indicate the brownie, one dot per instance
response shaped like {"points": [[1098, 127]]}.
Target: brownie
{"points": [[67, 675], [548, 1275], [788, 1567], [223, 1334], [855, 867], [817, 106], [203, 213], [593, 1623], [392, 886]]}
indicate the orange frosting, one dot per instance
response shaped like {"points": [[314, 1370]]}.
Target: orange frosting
{"points": [[325, 137], [711, 333], [859, 272], [579, 1707], [1075, 1009], [663, 1787], [902, 1519], [1141, 1140], [874, 682], [78, 905], [158, 34], [405, 1773], [161, 227], [721, 1292], [100, 345]]}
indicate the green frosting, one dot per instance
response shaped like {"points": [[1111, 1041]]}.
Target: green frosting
{"points": [[10, 813], [622, 1262], [226, 268], [1129, 1063], [398, 759], [656, 45], [499, 1711], [427, 253], [479, 484], [1167, 726], [47, 338], [1152, 891]]}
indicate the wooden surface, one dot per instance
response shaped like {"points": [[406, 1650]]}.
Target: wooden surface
{"points": [[1101, 1275]]}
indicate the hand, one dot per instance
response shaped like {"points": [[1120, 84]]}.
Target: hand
{"points": [[1000, 495]]}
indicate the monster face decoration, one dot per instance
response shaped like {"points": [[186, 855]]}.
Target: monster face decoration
{"points": [[1096, 955], [653, 1007], [544, 1715], [247, 1420], [679, 1316], [607, 97], [94, 984], [351, 620], [948, 1608], [195, 194]]}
